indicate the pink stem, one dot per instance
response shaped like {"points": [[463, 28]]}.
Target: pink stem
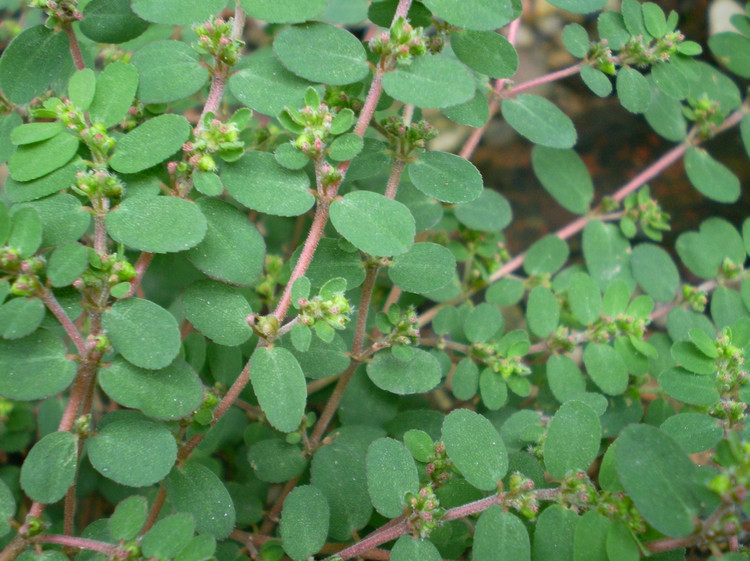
{"points": [[559, 75], [78, 543], [54, 306], [75, 48]]}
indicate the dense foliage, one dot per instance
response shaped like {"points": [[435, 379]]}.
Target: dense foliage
{"points": [[245, 310]]}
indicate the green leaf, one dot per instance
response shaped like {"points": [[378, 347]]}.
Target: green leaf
{"points": [[291, 157], [690, 388], [465, 379], [133, 451], [576, 40], [50, 468], [572, 439], [346, 12], [37, 57], [391, 473], [539, 120], [157, 224], [494, 389], [168, 536], [579, 6], [34, 367], [546, 256], [695, 432], [715, 86], [32, 161], [727, 307], [564, 175], [128, 518], [304, 522], [229, 234], [655, 471], [276, 461], [731, 49], [264, 85], [607, 255], [208, 183], [565, 378], [711, 178], [331, 260], [169, 393], [633, 90], [482, 323], [177, 12], [606, 368], [489, 212], [345, 147], [25, 232], [446, 177], [621, 544], [218, 311], [284, 11], [703, 252], [144, 333], [8, 123], [689, 357], [590, 537], [7, 508], [407, 548], [67, 263], [20, 317], [168, 70], [664, 115], [116, 87], [419, 444], [51, 183], [150, 143], [63, 218], [257, 181], [473, 113], [424, 268], [338, 470], [655, 272], [585, 298], [596, 80], [35, 132], [111, 21], [475, 448], [487, 52], [280, 386], [654, 19], [554, 534], [482, 15], [500, 534], [431, 81], [198, 491], [320, 52], [373, 223], [81, 87], [418, 375], [542, 311]]}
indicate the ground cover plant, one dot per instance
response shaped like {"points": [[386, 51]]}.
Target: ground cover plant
{"points": [[246, 311]]}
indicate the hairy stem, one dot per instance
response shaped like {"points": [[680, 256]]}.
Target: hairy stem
{"points": [[72, 331], [75, 48]]}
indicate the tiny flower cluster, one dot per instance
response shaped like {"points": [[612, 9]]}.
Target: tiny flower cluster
{"points": [[400, 44], [439, 466], [108, 270], [731, 484], [730, 377], [60, 12], [215, 39], [423, 512], [644, 211], [213, 138], [578, 493], [25, 271], [334, 311], [94, 136], [521, 495], [407, 138], [643, 53], [399, 326], [98, 183], [507, 366]]}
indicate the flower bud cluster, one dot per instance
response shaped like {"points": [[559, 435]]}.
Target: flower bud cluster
{"points": [[317, 128], [215, 39], [600, 57], [639, 52], [423, 512], [342, 98], [60, 12], [439, 466], [507, 366], [607, 328], [106, 270], [731, 375], [26, 271], [696, 298], [644, 211], [578, 493], [335, 311], [95, 136], [205, 413], [705, 113], [215, 137], [406, 138], [400, 44], [404, 327], [271, 278], [521, 495], [98, 183]]}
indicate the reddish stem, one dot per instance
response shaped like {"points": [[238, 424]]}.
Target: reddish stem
{"points": [[75, 48], [54, 306], [547, 78], [78, 543], [140, 268]]}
